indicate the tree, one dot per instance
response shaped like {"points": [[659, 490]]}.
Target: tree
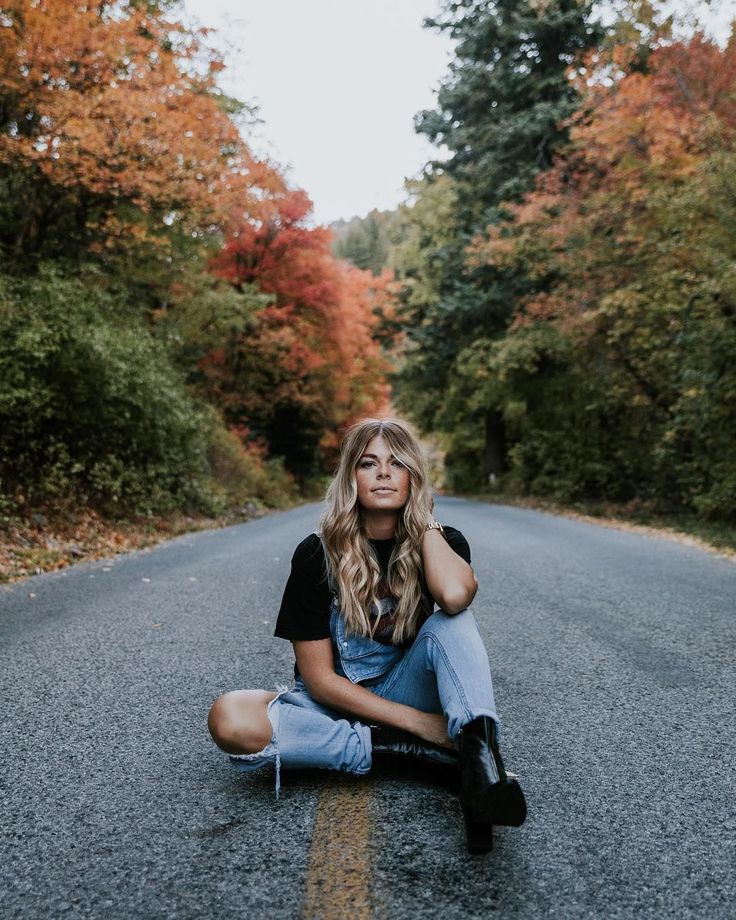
{"points": [[307, 362], [122, 166], [501, 108], [364, 242], [501, 113], [628, 241], [113, 132]]}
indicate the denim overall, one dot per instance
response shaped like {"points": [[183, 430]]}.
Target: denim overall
{"points": [[445, 670]]}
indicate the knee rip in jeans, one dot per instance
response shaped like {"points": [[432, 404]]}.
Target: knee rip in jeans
{"points": [[269, 754]]}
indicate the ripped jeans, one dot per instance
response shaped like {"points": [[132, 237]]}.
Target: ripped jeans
{"points": [[445, 670]]}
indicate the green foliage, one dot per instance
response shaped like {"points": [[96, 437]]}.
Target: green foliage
{"points": [[241, 475], [90, 405], [617, 380], [501, 113], [424, 230], [569, 296], [169, 322], [501, 106], [364, 241], [203, 312]]}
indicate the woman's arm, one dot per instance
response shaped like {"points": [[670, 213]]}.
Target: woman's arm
{"points": [[316, 663], [449, 577]]}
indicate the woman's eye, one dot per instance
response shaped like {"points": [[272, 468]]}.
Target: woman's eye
{"points": [[364, 464]]}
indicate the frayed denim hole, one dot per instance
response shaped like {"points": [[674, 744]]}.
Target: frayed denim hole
{"points": [[281, 690], [271, 750]]}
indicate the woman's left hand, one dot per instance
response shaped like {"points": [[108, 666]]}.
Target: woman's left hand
{"points": [[432, 727]]}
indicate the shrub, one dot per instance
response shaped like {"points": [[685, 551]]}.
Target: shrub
{"points": [[90, 404]]}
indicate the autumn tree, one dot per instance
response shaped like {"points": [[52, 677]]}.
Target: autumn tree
{"points": [[615, 377], [122, 169], [113, 132], [306, 363]]}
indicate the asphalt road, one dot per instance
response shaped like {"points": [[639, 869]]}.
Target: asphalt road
{"points": [[613, 661]]}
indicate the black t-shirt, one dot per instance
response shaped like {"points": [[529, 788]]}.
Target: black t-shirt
{"points": [[305, 607]]}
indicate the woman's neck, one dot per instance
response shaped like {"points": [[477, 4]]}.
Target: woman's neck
{"points": [[380, 525]]}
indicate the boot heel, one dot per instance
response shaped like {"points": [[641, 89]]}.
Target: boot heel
{"points": [[504, 804], [487, 790], [478, 834]]}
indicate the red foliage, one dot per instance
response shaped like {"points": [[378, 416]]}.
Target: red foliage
{"points": [[313, 346]]}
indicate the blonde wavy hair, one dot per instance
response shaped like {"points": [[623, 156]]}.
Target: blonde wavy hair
{"points": [[350, 557]]}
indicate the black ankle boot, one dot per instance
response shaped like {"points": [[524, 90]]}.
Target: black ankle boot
{"points": [[393, 742], [488, 794]]}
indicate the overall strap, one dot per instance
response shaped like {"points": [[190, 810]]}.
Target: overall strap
{"points": [[328, 572]]}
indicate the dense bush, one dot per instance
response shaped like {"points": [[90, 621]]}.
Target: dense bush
{"points": [[90, 405], [240, 474]]}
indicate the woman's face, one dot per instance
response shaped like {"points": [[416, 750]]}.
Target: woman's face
{"points": [[383, 482]]}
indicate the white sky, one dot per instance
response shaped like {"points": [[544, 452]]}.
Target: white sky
{"points": [[337, 84]]}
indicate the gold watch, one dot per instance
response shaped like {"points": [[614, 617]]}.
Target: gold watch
{"points": [[435, 525]]}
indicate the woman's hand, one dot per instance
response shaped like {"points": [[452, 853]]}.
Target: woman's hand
{"points": [[431, 727]]}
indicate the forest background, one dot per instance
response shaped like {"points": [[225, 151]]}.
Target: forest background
{"points": [[555, 303]]}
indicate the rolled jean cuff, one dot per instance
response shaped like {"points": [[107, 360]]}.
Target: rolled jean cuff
{"points": [[476, 714]]}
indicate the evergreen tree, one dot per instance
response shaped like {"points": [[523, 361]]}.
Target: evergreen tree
{"points": [[501, 108], [363, 241], [500, 113]]}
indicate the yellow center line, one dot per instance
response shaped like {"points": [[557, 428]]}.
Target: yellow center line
{"points": [[338, 879]]}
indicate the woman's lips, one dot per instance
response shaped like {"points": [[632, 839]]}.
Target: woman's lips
{"points": [[383, 489]]}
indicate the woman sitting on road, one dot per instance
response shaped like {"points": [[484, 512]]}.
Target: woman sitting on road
{"points": [[376, 669]]}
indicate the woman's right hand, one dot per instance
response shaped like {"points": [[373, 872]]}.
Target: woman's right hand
{"points": [[316, 665], [432, 727]]}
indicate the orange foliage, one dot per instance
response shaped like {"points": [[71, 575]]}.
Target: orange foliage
{"points": [[111, 116], [114, 100], [645, 132]]}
